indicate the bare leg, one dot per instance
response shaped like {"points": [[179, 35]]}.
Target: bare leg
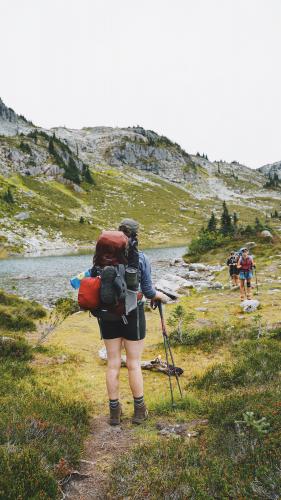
{"points": [[133, 352], [113, 349], [242, 289]]}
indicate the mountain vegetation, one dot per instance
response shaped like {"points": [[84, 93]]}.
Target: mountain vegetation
{"points": [[58, 189]]}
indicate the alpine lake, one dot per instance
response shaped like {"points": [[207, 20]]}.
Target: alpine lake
{"points": [[46, 278]]}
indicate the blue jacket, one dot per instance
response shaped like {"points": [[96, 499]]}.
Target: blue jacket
{"points": [[145, 277]]}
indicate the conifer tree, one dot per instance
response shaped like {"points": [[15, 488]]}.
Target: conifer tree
{"points": [[226, 224], [212, 224], [258, 225], [8, 196]]}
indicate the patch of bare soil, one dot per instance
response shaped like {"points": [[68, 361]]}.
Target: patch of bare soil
{"points": [[103, 445]]}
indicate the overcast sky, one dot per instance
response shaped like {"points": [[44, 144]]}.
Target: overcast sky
{"points": [[205, 73]]}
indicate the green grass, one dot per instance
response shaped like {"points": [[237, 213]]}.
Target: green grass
{"points": [[116, 194], [17, 314], [236, 456], [41, 428], [256, 362]]}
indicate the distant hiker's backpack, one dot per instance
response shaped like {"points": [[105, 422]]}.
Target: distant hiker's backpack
{"points": [[246, 264], [114, 278]]}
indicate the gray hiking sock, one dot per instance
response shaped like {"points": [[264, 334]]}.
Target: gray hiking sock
{"points": [[139, 402], [113, 403]]}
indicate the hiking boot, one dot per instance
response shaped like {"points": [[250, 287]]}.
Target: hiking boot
{"points": [[115, 415], [140, 415]]}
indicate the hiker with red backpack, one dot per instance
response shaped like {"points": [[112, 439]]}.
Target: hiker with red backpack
{"points": [[114, 291], [245, 265]]}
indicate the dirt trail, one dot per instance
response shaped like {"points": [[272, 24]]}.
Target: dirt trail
{"points": [[79, 335], [102, 446]]}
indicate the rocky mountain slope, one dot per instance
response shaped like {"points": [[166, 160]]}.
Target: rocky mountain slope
{"points": [[67, 184], [271, 169]]}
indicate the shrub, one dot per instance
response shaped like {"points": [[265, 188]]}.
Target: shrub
{"points": [[15, 348], [25, 148], [66, 306], [195, 337], [206, 241], [14, 320], [23, 475], [257, 362]]}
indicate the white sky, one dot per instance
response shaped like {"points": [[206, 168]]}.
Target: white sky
{"points": [[205, 73]]}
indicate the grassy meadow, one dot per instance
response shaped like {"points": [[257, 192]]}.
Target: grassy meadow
{"points": [[231, 362]]}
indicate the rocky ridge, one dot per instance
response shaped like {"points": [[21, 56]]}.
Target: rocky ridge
{"points": [[145, 161], [135, 147], [271, 169]]}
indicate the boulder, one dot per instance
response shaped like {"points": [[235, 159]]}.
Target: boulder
{"points": [[215, 269], [266, 234], [171, 284], [193, 275], [22, 216], [250, 305], [202, 286], [198, 267], [178, 260], [216, 285], [250, 245]]}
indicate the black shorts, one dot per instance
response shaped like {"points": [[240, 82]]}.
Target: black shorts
{"points": [[134, 330], [233, 271]]}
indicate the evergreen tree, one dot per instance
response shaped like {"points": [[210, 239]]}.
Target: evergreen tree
{"points": [[51, 146], [87, 175], [8, 196], [212, 224], [235, 219], [25, 148], [72, 172], [226, 224], [258, 225]]}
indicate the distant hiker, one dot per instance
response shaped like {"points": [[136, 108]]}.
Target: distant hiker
{"points": [[232, 266], [245, 265], [119, 278]]}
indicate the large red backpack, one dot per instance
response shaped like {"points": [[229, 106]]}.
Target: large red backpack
{"points": [[96, 293], [111, 249]]}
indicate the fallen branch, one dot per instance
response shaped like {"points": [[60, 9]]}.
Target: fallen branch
{"points": [[154, 364]]}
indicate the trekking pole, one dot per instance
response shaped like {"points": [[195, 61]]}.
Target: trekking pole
{"points": [[168, 349], [256, 280]]}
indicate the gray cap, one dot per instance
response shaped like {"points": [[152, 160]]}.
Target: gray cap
{"points": [[129, 226]]}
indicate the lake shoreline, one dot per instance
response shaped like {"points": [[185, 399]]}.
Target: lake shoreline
{"points": [[76, 251]]}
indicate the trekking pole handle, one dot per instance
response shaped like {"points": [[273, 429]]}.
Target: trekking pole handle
{"points": [[160, 307]]}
